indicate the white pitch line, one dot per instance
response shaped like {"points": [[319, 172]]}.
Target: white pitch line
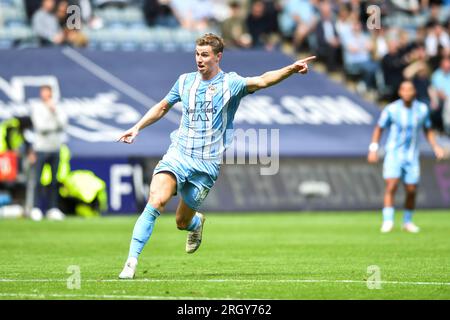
{"points": [[104, 296], [113, 81], [419, 283]]}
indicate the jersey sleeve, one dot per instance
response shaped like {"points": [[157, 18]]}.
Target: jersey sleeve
{"points": [[385, 118], [238, 85], [174, 94], [427, 118]]}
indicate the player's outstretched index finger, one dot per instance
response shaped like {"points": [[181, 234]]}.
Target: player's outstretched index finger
{"points": [[122, 139], [308, 59]]}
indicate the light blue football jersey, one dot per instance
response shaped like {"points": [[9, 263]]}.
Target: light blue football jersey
{"points": [[206, 127], [405, 125]]}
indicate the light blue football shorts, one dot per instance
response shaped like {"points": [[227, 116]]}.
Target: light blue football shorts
{"points": [[407, 171], [195, 177]]}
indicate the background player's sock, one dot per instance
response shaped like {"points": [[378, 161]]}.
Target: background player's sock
{"points": [[388, 214], [407, 216], [143, 230], [195, 223]]}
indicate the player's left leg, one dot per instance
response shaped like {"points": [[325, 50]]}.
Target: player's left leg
{"points": [[392, 173], [201, 178], [411, 180], [189, 219], [162, 188], [388, 209]]}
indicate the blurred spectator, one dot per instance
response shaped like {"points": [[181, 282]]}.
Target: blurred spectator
{"points": [[408, 6], [419, 73], [272, 9], [436, 37], [31, 6], [343, 21], [159, 13], [234, 28], [297, 20], [392, 65], [357, 55], [441, 79], [193, 14], [328, 45], [379, 42], [45, 24], [358, 11], [258, 25], [71, 36], [87, 14], [49, 123], [111, 3], [434, 12]]}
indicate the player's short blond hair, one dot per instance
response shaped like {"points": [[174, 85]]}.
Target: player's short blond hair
{"points": [[212, 40]]}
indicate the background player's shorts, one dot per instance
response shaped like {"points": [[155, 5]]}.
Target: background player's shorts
{"points": [[407, 171], [195, 177]]}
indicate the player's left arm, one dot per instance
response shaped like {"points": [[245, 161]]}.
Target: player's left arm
{"points": [[439, 152], [271, 78]]}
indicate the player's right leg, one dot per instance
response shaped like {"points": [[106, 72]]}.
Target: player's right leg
{"points": [[189, 219], [411, 180], [410, 203], [392, 172], [388, 209], [162, 188]]}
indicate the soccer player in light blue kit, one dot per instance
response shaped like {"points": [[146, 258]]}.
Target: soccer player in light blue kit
{"points": [[405, 118], [210, 98]]}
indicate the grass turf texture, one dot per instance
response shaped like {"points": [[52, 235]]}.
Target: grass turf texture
{"points": [[258, 256]]}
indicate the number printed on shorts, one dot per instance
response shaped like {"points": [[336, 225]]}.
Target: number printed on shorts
{"points": [[202, 194]]}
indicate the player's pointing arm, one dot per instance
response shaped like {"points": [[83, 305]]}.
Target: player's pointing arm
{"points": [[271, 78], [152, 115]]}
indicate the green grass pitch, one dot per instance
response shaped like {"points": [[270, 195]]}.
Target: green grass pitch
{"points": [[243, 256]]}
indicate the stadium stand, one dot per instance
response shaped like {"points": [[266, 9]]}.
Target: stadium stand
{"points": [[408, 42], [153, 25]]}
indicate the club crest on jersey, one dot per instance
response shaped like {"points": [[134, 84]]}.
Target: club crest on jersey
{"points": [[212, 90]]}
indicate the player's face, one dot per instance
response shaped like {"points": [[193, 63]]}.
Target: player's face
{"points": [[206, 60], [407, 92], [46, 94]]}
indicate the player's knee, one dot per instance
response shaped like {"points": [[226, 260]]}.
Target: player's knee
{"points": [[391, 188], [411, 192], [157, 202], [182, 224]]}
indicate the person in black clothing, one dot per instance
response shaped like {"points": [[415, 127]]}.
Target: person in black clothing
{"points": [[31, 6], [392, 65], [257, 24], [159, 12], [328, 44]]}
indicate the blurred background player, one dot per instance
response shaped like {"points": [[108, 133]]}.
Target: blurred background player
{"points": [[49, 123], [191, 166], [405, 118]]}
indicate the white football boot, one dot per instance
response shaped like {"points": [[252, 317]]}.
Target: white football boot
{"points": [[36, 214], [194, 238], [129, 270], [55, 214], [410, 227], [387, 226]]}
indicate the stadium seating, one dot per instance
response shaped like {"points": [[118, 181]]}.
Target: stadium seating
{"points": [[124, 29]]}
